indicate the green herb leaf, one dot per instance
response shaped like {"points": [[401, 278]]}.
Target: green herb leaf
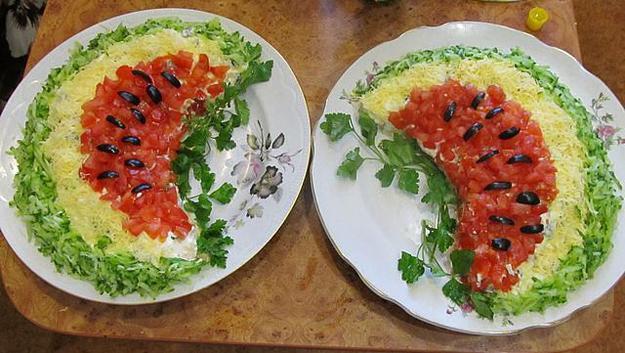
{"points": [[182, 163], [182, 181], [456, 291], [411, 267], [194, 144], [401, 151], [482, 305], [204, 202], [202, 209], [368, 128], [202, 173], [224, 140], [212, 242], [242, 110], [336, 125], [386, 175], [224, 193], [255, 73], [351, 164], [447, 228], [439, 237], [409, 180], [181, 166], [445, 240], [230, 92], [461, 261], [440, 191]]}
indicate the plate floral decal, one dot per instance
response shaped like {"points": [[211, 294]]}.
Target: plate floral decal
{"points": [[603, 123], [262, 170]]}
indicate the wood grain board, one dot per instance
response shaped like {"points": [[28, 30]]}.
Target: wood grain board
{"points": [[296, 291]]}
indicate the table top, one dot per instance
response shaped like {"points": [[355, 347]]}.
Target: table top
{"points": [[296, 291]]}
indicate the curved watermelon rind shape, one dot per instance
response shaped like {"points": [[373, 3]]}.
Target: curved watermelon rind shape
{"points": [[600, 184], [49, 225]]}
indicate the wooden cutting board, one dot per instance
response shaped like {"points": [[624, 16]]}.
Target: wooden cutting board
{"points": [[296, 291]]}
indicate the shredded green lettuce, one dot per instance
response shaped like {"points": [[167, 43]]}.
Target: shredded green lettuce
{"points": [[35, 190], [601, 185], [601, 192]]}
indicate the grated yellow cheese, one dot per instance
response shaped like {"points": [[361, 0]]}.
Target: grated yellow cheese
{"points": [[90, 216], [564, 220], [392, 93]]}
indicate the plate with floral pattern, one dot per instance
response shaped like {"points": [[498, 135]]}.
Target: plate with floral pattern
{"points": [[252, 177], [396, 221]]}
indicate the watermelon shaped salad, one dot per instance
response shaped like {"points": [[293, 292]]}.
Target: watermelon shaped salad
{"points": [[113, 178], [519, 179]]}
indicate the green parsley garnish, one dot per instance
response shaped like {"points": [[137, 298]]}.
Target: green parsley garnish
{"points": [[351, 164], [226, 113], [403, 160]]}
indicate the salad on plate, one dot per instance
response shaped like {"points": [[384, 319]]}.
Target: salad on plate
{"points": [[523, 192], [113, 179]]}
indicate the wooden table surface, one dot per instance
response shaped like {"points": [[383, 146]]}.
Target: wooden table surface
{"points": [[296, 291]]}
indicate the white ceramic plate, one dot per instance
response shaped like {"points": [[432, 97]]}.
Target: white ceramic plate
{"points": [[370, 226], [278, 105]]}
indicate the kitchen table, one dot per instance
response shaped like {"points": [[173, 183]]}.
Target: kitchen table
{"points": [[297, 291]]}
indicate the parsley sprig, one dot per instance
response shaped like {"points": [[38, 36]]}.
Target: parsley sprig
{"points": [[215, 127], [403, 160]]}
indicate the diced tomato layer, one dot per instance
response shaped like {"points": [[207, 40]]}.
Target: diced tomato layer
{"points": [[156, 210], [423, 118]]}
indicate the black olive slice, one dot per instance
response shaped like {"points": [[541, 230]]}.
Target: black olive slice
{"points": [[498, 185], [134, 163], [486, 156], [133, 140], [142, 75], [138, 115], [533, 229], [509, 133], [129, 97], [113, 120], [501, 244], [493, 112], [474, 129], [477, 100], [107, 148], [528, 198], [154, 94], [502, 220], [108, 174], [519, 158], [141, 187], [171, 79], [449, 112]]}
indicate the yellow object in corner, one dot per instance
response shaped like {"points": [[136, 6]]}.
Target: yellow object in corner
{"points": [[536, 18]]}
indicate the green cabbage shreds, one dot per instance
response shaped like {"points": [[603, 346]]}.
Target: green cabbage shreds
{"points": [[601, 187], [35, 190]]}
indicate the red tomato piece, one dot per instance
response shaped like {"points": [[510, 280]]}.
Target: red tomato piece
{"points": [[220, 71]]}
